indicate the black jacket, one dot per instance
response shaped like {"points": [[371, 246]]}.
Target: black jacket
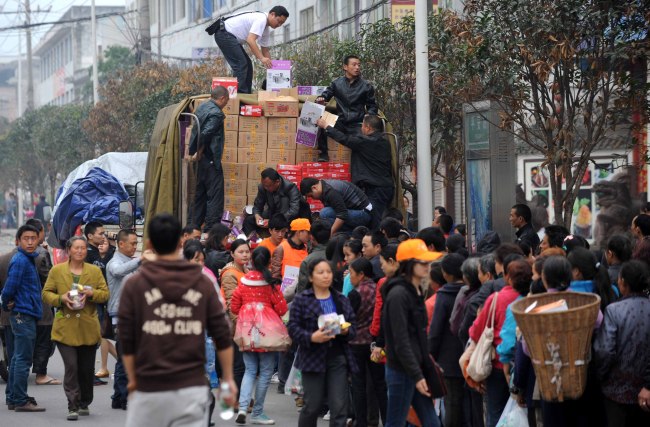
{"points": [[93, 257], [213, 135], [342, 196], [526, 234], [476, 301], [216, 260], [285, 201], [445, 347], [353, 99], [371, 157], [404, 325]]}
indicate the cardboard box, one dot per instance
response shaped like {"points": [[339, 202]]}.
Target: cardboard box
{"points": [[235, 204], [251, 110], [231, 123], [231, 138], [292, 178], [282, 124], [311, 90], [306, 155], [232, 108], [279, 75], [307, 133], [234, 170], [251, 187], [280, 104], [229, 83], [281, 156], [342, 154], [286, 167], [250, 200], [234, 187], [332, 144], [255, 169], [229, 155], [252, 124], [256, 140], [251, 155], [282, 140]]}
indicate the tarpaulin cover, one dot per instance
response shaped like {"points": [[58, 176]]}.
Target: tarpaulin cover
{"points": [[95, 197]]}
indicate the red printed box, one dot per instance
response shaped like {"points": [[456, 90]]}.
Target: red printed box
{"points": [[229, 83], [251, 110], [284, 167], [292, 178], [314, 165]]}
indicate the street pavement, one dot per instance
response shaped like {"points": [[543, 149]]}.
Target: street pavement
{"points": [[279, 407]]}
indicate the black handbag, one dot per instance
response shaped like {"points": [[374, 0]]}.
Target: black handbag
{"points": [[433, 376]]}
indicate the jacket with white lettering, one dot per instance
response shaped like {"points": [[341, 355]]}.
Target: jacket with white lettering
{"points": [[165, 310]]}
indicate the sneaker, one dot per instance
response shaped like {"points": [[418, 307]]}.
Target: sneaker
{"points": [[11, 406], [72, 415], [29, 407], [98, 381], [300, 402], [324, 157], [84, 412], [326, 417], [263, 420], [275, 379], [241, 417]]}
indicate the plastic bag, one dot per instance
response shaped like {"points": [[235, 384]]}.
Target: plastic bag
{"points": [[513, 415], [210, 361], [260, 328], [294, 382]]}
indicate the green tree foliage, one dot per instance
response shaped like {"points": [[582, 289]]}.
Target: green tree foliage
{"points": [[115, 59]]}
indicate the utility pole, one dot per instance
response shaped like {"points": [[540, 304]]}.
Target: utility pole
{"points": [[93, 30], [30, 71], [144, 25]]}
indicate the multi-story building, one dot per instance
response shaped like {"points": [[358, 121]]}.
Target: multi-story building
{"points": [[66, 53]]}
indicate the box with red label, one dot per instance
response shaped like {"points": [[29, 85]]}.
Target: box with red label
{"points": [[252, 124], [256, 140], [283, 167], [340, 176], [319, 175], [310, 171], [231, 123], [292, 178], [315, 205], [229, 83], [251, 110], [315, 165]]}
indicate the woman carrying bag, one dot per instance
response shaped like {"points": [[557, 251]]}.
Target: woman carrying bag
{"points": [[260, 333]]}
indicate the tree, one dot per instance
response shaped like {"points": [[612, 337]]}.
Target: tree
{"points": [[563, 72], [116, 58]]}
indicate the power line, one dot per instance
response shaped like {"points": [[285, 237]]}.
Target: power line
{"points": [[66, 21]]}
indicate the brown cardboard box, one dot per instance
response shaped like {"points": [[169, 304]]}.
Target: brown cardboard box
{"points": [[252, 124], [251, 155], [282, 140], [281, 156], [235, 204], [280, 104], [332, 145], [229, 155], [306, 155], [251, 200], [282, 125], [251, 187], [231, 123], [235, 170], [255, 169], [232, 108], [340, 155], [255, 140], [234, 187], [231, 139]]}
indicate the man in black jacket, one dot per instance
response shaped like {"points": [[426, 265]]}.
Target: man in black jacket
{"points": [[275, 195], [520, 216], [371, 162], [346, 205], [354, 98], [207, 149]]}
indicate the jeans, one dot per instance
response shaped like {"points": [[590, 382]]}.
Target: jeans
{"points": [[9, 346], [497, 396], [265, 362], [43, 349], [24, 330], [209, 196], [332, 383], [355, 218], [236, 56], [79, 364], [359, 385], [401, 395], [120, 379]]}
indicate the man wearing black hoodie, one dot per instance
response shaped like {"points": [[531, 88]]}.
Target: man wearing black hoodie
{"points": [[165, 310]]}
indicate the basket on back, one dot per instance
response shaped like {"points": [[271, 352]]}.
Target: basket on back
{"points": [[559, 342]]}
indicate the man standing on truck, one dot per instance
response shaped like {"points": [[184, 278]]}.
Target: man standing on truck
{"points": [[207, 149], [354, 98], [251, 28]]}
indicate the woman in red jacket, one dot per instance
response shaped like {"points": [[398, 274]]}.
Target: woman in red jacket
{"points": [[260, 333]]}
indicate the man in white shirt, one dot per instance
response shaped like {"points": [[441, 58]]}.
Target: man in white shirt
{"points": [[251, 28]]}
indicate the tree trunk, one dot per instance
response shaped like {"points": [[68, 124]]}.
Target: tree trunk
{"points": [[52, 189]]}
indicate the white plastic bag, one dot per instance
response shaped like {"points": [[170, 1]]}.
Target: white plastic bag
{"points": [[293, 384], [513, 415]]}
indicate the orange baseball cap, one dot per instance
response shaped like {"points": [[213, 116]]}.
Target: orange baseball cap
{"points": [[300, 224], [414, 249]]}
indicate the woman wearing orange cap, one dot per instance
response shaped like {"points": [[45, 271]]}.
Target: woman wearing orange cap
{"points": [[404, 324]]}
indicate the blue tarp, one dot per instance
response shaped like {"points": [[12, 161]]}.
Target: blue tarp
{"points": [[95, 197]]}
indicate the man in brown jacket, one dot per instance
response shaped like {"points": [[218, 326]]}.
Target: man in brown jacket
{"points": [[165, 310]]}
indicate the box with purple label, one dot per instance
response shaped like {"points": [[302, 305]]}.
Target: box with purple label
{"points": [[311, 90], [279, 76], [307, 129]]}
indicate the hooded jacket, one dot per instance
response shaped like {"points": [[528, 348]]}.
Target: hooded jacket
{"points": [[445, 347], [404, 324], [165, 310]]}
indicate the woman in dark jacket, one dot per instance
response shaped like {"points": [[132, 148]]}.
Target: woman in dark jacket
{"points": [[216, 254], [404, 323], [324, 357]]}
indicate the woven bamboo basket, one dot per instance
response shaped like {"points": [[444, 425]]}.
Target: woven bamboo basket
{"points": [[559, 343]]}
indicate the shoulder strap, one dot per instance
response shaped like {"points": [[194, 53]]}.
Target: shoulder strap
{"points": [[241, 13], [493, 309]]}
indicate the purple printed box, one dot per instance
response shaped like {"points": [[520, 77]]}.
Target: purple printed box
{"points": [[307, 130], [279, 76], [311, 90]]}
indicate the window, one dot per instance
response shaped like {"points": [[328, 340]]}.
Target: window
{"points": [[201, 9], [153, 11], [327, 12], [306, 21], [348, 29], [286, 35]]}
